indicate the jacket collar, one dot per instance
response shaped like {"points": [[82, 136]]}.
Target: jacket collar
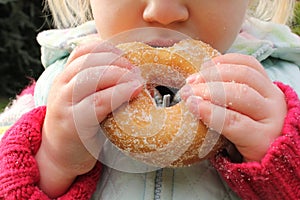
{"points": [[58, 43], [265, 39]]}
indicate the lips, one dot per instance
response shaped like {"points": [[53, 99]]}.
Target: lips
{"points": [[162, 42]]}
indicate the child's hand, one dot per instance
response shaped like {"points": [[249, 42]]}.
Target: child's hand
{"points": [[236, 98], [80, 98]]}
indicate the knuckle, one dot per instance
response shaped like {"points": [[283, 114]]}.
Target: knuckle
{"points": [[241, 90], [97, 101], [75, 53], [244, 90], [252, 59], [233, 119], [254, 63]]}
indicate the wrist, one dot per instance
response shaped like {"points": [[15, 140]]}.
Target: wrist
{"points": [[54, 179]]}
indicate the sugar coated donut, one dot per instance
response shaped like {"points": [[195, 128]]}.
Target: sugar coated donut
{"points": [[158, 135]]}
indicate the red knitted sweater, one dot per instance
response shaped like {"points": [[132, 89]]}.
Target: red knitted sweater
{"points": [[277, 176]]}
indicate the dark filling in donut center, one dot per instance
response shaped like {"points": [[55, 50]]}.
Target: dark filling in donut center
{"points": [[166, 96]]}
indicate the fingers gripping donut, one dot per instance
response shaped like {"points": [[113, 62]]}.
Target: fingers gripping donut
{"points": [[162, 136]]}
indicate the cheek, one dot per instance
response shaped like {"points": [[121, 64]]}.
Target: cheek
{"points": [[221, 33], [219, 24], [106, 24], [105, 28], [231, 24], [108, 27], [225, 35], [114, 17]]}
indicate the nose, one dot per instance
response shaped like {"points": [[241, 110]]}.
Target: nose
{"points": [[165, 12]]}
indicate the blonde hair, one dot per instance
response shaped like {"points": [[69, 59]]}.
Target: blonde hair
{"points": [[67, 13], [278, 11]]}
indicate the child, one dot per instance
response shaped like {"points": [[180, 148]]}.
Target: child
{"points": [[42, 156]]}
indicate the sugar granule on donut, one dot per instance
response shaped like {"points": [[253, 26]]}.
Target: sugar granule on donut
{"points": [[158, 135]]}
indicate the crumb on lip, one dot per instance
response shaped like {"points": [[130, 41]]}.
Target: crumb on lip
{"points": [[155, 46]]}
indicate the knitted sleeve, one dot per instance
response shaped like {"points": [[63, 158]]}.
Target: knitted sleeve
{"points": [[19, 172], [277, 176]]}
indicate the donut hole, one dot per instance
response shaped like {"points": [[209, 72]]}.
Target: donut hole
{"points": [[166, 96]]}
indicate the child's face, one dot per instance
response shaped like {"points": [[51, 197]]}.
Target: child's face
{"points": [[216, 22]]}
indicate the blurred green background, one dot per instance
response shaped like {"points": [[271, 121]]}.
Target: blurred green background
{"points": [[20, 21]]}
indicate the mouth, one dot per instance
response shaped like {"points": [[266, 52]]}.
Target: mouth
{"points": [[160, 43]]}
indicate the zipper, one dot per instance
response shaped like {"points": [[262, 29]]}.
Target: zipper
{"points": [[158, 184]]}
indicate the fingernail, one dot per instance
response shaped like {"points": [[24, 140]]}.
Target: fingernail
{"points": [[186, 91], [136, 70], [111, 47], [140, 79], [208, 64], [193, 78], [136, 83], [133, 75], [193, 104]]}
